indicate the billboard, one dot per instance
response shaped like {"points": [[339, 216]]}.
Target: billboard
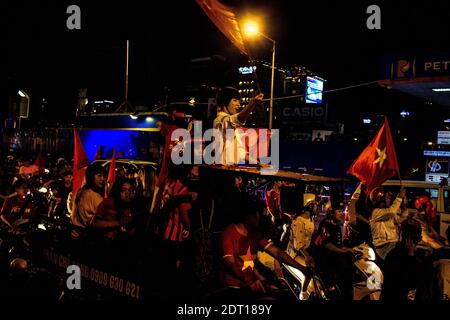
{"points": [[320, 135], [443, 137], [437, 165], [314, 89], [436, 169]]}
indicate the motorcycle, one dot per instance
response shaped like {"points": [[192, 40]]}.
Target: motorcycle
{"points": [[368, 279], [25, 278], [294, 279]]}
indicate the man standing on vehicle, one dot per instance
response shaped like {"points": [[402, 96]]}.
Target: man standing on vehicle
{"points": [[229, 117]]}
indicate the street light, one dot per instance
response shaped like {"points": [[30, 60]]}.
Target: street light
{"points": [[23, 94], [251, 29]]}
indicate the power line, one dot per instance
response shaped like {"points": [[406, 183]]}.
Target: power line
{"points": [[326, 91]]}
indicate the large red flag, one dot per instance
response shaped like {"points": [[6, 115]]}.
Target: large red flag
{"points": [[378, 161], [80, 163], [225, 19]]}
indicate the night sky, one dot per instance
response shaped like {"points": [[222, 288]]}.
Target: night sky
{"points": [[328, 37]]}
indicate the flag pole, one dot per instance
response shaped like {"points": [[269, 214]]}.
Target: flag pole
{"points": [[255, 76], [398, 171], [125, 104], [400, 179]]}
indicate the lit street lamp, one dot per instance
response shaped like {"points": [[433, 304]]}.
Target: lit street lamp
{"points": [[251, 29], [23, 94]]}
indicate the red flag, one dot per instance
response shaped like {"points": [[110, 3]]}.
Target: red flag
{"points": [[111, 174], [80, 163], [98, 154], [261, 143], [378, 161], [112, 169], [225, 19]]}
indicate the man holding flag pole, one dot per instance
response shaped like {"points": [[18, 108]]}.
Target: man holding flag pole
{"points": [[230, 115], [376, 164]]}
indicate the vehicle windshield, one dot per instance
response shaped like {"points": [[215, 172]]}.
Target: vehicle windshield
{"points": [[413, 193]]}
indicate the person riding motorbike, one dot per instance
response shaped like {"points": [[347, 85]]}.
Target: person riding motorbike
{"points": [[240, 242], [401, 267], [333, 260], [59, 191], [301, 232], [18, 207]]}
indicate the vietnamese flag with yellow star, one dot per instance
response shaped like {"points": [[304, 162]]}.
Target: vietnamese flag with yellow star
{"points": [[378, 161]]}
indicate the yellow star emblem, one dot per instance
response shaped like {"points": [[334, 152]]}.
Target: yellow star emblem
{"points": [[247, 260], [381, 157]]}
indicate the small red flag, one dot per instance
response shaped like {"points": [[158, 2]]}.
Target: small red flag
{"points": [[378, 161], [112, 169], [98, 154], [111, 174], [225, 20], [80, 163]]}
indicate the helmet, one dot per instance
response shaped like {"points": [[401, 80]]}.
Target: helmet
{"points": [[327, 206], [309, 203], [308, 198], [421, 202], [378, 196], [411, 228], [19, 264]]}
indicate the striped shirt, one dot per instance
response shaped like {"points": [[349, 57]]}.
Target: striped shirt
{"points": [[175, 226]]}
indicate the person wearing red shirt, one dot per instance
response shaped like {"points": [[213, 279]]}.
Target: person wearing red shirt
{"points": [[27, 169], [273, 201], [18, 206], [115, 212], [175, 120], [240, 242]]}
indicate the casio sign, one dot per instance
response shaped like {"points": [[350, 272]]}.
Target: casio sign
{"points": [[306, 112]]}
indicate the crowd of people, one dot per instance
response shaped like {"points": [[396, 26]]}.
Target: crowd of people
{"points": [[260, 237], [22, 178]]}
